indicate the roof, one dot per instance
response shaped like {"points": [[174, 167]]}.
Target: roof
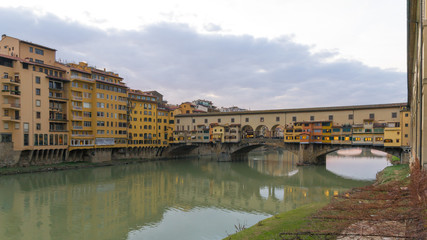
{"points": [[297, 110], [38, 45]]}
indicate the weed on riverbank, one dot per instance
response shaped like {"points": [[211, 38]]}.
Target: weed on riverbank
{"points": [[393, 208]]}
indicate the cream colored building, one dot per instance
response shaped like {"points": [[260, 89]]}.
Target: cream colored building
{"points": [[416, 55], [270, 121], [34, 98]]}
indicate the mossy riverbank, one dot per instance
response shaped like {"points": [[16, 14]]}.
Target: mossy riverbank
{"points": [[315, 218]]}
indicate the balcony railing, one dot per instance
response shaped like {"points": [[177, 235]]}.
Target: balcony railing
{"points": [[77, 98], [11, 92], [81, 135], [77, 127], [77, 107], [15, 80], [77, 118], [82, 78]]}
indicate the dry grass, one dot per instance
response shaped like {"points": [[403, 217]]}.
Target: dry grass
{"points": [[391, 210]]}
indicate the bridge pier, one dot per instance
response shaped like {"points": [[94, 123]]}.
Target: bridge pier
{"points": [[308, 155]]}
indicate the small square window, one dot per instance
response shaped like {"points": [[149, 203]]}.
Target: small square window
{"points": [[38, 80], [38, 91], [246, 119], [371, 116], [38, 126], [406, 114], [350, 117], [294, 119], [219, 120], [232, 120], [311, 118], [394, 115], [261, 119], [331, 117], [206, 120], [38, 115], [277, 119], [194, 120], [406, 125], [38, 103]]}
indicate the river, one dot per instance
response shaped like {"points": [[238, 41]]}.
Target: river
{"points": [[187, 199]]}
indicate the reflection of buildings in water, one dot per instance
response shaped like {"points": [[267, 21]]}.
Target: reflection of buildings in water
{"points": [[277, 163], [106, 203]]}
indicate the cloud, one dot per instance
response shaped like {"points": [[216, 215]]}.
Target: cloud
{"points": [[212, 27], [184, 65]]}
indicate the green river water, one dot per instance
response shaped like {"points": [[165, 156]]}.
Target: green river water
{"points": [[187, 199]]}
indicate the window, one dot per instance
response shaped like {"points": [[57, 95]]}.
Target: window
{"points": [[406, 135], [206, 120], [277, 119], [38, 80], [38, 115], [6, 126], [261, 119], [87, 105], [331, 117], [406, 114], [246, 119], [39, 51], [311, 118], [294, 118], [394, 115], [350, 117], [371, 115], [406, 125], [194, 120], [26, 139], [232, 120], [38, 91], [219, 120], [38, 126], [31, 49], [38, 103], [177, 121]]}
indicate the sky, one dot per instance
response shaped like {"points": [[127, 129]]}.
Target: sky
{"points": [[269, 54]]}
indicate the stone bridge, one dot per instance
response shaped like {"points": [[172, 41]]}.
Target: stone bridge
{"points": [[307, 153]]}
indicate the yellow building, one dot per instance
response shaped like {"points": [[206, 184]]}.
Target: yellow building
{"points": [[164, 128], [392, 135], [143, 130], [98, 108]]}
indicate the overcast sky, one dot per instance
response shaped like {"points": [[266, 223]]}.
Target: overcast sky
{"points": [[253, 54]]}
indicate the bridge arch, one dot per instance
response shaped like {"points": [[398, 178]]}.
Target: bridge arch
{"points": [[262, 131], [247, 132], [319, 151], [277, 131]]}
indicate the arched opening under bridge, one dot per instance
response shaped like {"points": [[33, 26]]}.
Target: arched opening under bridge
{"points": [[262, 132]]}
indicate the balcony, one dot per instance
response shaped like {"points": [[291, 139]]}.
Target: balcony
{"points": [[11, 93], [14, 106], [56, 88], [77, 98], [78, 127], [81, 135], [77, 118], [58, 117], [77, 108], [11, 118], [57, 130], [82, 78], [12, 81]]}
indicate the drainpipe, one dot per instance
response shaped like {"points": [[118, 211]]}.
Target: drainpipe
{"points": [[420, 95]]}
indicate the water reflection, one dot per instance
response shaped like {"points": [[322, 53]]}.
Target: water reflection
{"points": [[363, 166], [179, 199]]}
